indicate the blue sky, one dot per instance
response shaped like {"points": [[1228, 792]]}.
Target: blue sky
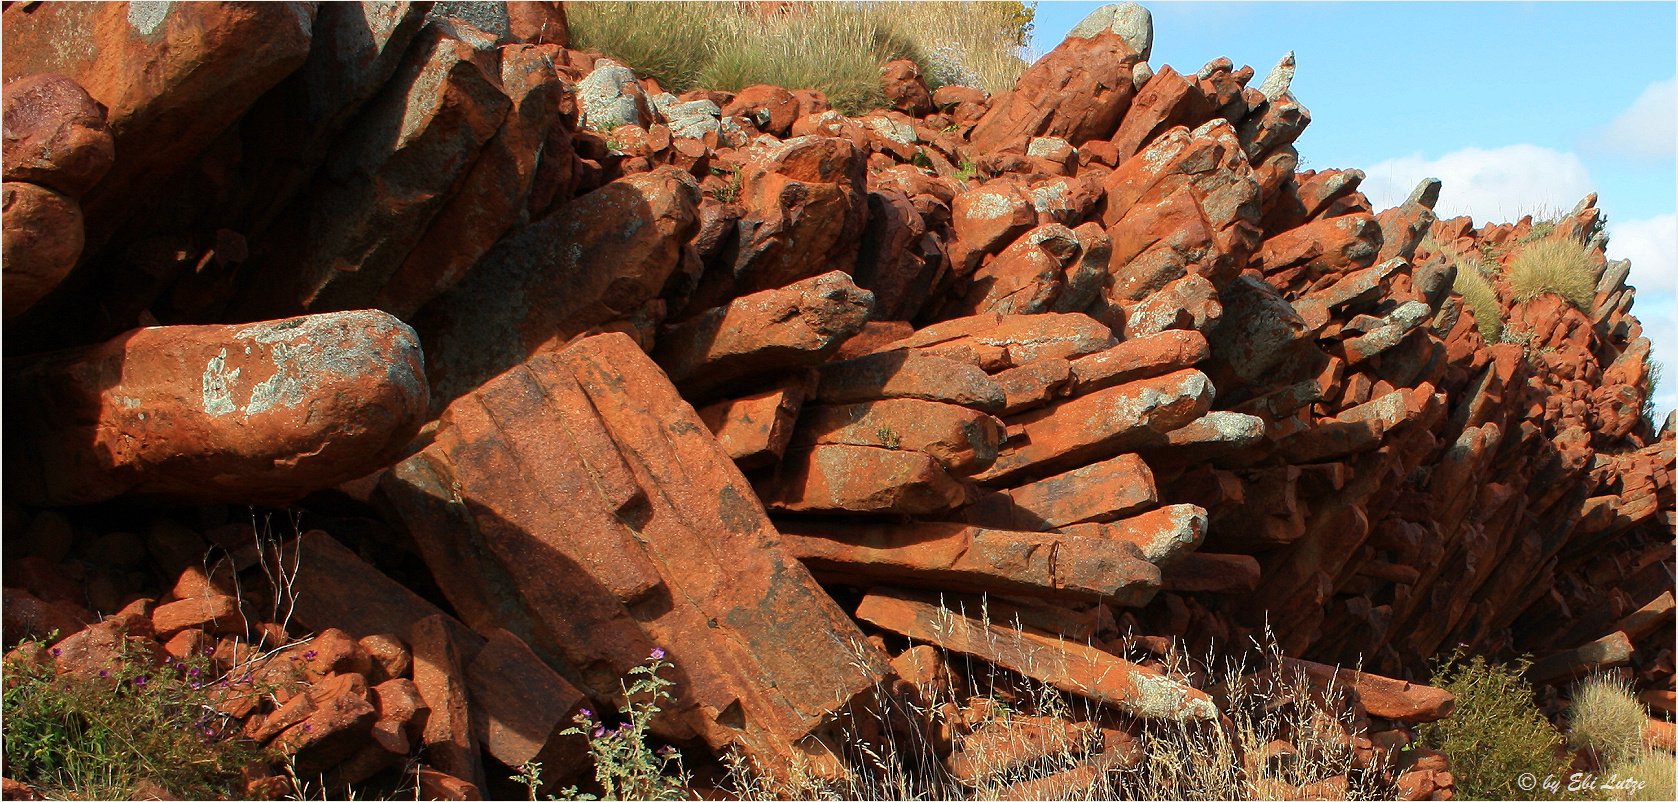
{"points": [[1519, 107]]}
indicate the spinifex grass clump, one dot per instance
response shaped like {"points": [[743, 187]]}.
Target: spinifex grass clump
{"points": [[1477, 292], [1557, 264], [133, 722], [1606, 717], [1496, 733]]}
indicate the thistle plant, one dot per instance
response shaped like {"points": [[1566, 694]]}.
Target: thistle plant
{"points": [[625, 765]]}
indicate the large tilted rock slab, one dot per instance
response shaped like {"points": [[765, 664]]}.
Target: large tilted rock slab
{"points": [[1382, 696], [1100, 491], [971, 559], [265, 412], [578, 502], [1101, 424], [910, 374], [860, 478], [1071, 667], [598, 257], [800, 324]]}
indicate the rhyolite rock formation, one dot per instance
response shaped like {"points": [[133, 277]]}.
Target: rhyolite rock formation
{"points": [[1062, 386]]}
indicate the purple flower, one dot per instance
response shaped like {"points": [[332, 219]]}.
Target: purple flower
{"points": [[666, 751], [599, 732], [586, 713], [56, 651], [104, 673], [307, 727], [193, 685], [140, 680], [310, 655], [209, 650], [658, 653], [193, 672]]}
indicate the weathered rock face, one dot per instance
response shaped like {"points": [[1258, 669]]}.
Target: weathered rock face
{"points": [[43, 240], [56, 135], [265, 411], [1080, 90], [543, 284]]}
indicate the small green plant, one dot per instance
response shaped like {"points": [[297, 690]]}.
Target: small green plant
{"points": [[625, 766], [131, 722], [1477, 292], [1555, 265], [1496, 733], [889, 437], [736, 184], [966, 171]]}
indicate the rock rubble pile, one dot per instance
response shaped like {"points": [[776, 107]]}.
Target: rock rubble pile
{"points": [[558, 368]]}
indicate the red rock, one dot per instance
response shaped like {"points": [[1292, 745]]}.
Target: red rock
{"points": [[1272, 126], [492, 195], [1029, 276], [805, 201], [1330, 245], [1188, 203], [104, 647], [755, 430], [538, 22], [1166, 101], [520, 707], [1079, 91], [1101, 424], [30, 617], [771, 108], [905, 91], [1211, 573], [852, 478], [1025, 338], [43, 241], [897, 260], [970, 559], [170, 78], [218, 615], [341, 591], [260, 412], [1259, 329], [449, 737], [55, 134], [388, 655], [908, 374], [1613, 649], [1138, 358], [1163, 535], [1074, 783], [338, 727], [986, 220], [1006, 746], [1094, 493], [403, 713], [1035, 383], [13, 789], [1382, 696], [435, 784], [539, 286], [1079, 670], [963, 441], [800, 324]]}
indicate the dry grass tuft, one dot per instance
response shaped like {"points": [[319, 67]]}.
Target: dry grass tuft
{"points": [[837, 48], [1476, 291], [1556, 265], [1608, 718]]}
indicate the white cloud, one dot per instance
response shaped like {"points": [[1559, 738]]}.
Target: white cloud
{"points": [[1652, 246], [1496, 185], [1648, 129]]}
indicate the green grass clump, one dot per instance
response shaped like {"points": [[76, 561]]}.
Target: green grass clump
{"points": [[1476, 291], [1608, 718], [1558, 265], [102, 736], [1496, 733], [625, 765], [836, 48]]}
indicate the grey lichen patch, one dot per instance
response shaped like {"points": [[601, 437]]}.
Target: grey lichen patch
{"points": [[218, 386], [1188, 528], [1281, 76], [145, 17], [989, 205], [1133, 23], [1159, 698]]}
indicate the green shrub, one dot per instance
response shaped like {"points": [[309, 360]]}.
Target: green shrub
{"points": [[625, 765], [1477, 292], [1557, 265], [1496, 733], [101, 737], [1608, 718]]}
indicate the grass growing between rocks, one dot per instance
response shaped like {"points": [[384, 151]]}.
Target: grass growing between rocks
{"points": [[1556, 265], [1609, 719], [132, 728], [837, 48], [1496, 733], [1476, 291]]}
